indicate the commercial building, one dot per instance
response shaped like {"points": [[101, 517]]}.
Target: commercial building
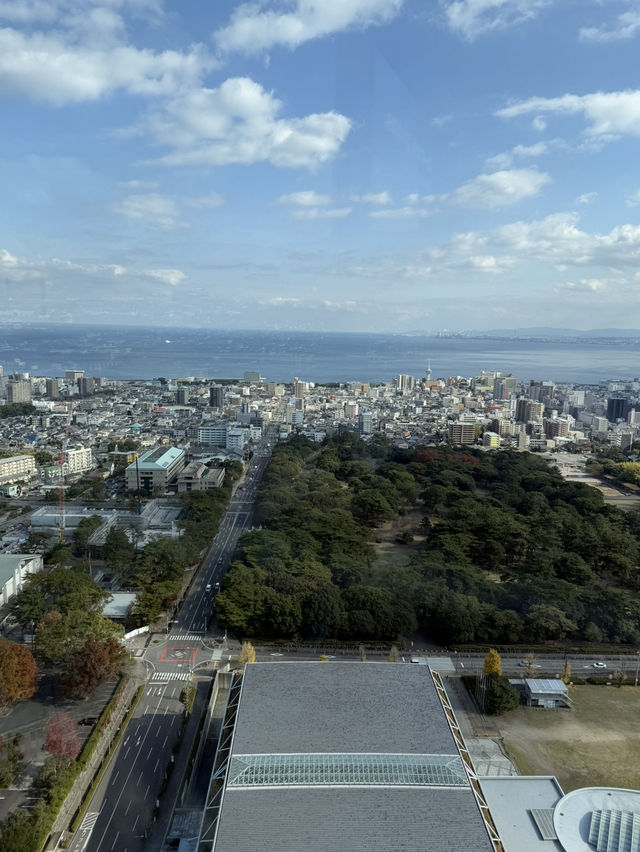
{"points": [[155, 469], [86, 386], [72, 376], [617, 408], [52, 388], [340, 757], [16, 468], [216, 396]]}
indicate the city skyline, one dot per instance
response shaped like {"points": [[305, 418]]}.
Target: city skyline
{"points": [[365, 165]]}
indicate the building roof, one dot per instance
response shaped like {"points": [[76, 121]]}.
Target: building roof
{"points": [[512, 799], [159, 458], [545, 686], [10, 562], [119, 605], [345, 757]]}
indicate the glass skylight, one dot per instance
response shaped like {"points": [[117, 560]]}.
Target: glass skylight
{"points": [[389, 770]]}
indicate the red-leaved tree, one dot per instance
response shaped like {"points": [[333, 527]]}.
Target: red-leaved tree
{"points": [[97, 661], [62, 741], [18, 672]]}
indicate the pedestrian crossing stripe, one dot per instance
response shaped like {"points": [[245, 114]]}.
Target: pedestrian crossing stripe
{"points": [[90, 820], [162, 678], [186, 637]]}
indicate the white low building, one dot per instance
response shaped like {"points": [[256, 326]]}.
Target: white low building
{"points": [[14, 569]]}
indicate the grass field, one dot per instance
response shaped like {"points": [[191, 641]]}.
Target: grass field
{"points": [[597, 743]]}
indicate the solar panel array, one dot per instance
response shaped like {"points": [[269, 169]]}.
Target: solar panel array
{"points": [[543, 818], [275, 770], [615, 831]]}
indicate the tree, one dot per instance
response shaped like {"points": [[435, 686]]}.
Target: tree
{"points": [[492, 663], [500, 695], [42, 458], [618, 677], [96, 662], [18, 672], [566, 672], [394, 655], [10, 760], [530, 666], [61, 738], [247, 654]]}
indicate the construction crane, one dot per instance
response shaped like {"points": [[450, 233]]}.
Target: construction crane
{"points": [[62, 486]]}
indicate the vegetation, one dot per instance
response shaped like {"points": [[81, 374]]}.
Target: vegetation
{"points": [[10, 760], [513, 551], [492, 663], [16, 409], [18, 673]]}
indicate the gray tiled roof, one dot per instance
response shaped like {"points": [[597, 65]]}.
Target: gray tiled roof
{"points": [[340, 707], [351, 820]]}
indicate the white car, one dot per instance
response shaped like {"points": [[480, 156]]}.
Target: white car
{"points": [[599, 665], [207, 588]]}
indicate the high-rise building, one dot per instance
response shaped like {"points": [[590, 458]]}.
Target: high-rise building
{"points": [[53, 389], [86, 386], [299, 388], [72, 376], [528, 410], [503, 386], [182, 396], [216, 396], [405, 383], [365, 422], [556, 427], [19, 392], [617, 408]]}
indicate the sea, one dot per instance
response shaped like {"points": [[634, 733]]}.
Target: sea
{"points": [[127, 352]]}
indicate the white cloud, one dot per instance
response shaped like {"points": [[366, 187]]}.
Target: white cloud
{"points": [[289, 23], [471, 18], [500, 189], [306, 198], [153, 209], [321, 213], [173, 277], [539, 123], [589, 285], [48, 67], [505, 160], [626, 25], [210, 201], [373, 198], [283, 301], [633, 199], [489, 263], [238, 123], [587, 197], [409, 212], [610, 114], [138, 184]]}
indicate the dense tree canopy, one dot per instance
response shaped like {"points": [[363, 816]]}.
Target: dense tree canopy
{"points": [[513, 551]]}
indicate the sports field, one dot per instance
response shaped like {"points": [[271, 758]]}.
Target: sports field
{"points": [[595, 743]]}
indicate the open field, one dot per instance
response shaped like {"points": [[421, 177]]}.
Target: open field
{"points": [[388, 550], [595, 743]]}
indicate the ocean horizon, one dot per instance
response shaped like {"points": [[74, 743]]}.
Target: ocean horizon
{"points": [[129, 352]]}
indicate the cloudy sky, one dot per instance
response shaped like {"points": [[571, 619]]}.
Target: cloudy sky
{"points": [[388, 165]]}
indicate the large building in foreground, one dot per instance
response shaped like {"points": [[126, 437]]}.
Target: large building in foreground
{"points": [[155, 469], [340, 757], [368, 757]]}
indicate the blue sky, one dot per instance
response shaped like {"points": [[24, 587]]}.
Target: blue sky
{"points": [[365, 165]]}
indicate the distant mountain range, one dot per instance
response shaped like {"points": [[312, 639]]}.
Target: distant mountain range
{"points": [[549, 333]]}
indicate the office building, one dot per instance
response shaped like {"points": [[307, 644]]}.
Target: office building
{"points": [[182, 395], [52, 388], [617, 408], [86, 386], [528, 410], [155, 469], [216, 396], [365, 422], [462, 433], [72, 376]]}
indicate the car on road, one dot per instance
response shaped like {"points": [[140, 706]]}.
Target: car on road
{"points": [[207, 588], [524, 663], [599, 665], [216, 586], [88, 720]]}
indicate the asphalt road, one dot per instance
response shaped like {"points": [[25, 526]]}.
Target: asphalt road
{"points": [[122, 809]]}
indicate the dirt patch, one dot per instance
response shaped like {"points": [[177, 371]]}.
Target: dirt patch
{"points": [[595, 743], [389, 551]]}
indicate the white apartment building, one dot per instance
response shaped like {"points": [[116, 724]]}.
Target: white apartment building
{"points": [[78, 461], [216, 435], [16, 468], [236, 440]]}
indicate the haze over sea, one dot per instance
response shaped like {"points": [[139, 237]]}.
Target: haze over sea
{"points": [[130, 352]]}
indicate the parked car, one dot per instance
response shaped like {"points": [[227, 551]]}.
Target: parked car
{"points": [[88, 720]]}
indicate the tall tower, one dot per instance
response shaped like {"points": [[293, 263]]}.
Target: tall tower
{"points": [[428, 374]]}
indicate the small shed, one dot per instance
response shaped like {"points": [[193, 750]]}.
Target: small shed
{"points": [[544, 692]]}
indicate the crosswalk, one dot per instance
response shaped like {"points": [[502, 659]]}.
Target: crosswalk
{"points": [[89, 821], [186, 637], [163, 677]]}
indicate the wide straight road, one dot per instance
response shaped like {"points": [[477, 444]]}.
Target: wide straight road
{"points": [[122, 810]]}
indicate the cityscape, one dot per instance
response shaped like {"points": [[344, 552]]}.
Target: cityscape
{"points": [[319, 426], [100, 479]]}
